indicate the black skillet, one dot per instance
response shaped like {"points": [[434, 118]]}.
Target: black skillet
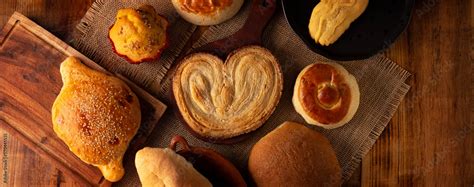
{"points": [[380, 24]]}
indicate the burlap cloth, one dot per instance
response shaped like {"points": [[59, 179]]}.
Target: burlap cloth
{"points": [[381, 83]]}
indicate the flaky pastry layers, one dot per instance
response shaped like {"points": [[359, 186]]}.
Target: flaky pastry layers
{"points": [[220, 101], [330, 18], [326, 95], [96, 115]]}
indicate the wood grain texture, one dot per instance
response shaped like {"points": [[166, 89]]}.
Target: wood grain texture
{"points": [[30, 57], [19, 162], [58, 17], [430, 140]]}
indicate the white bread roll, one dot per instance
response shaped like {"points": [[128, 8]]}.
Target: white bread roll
{"points": [[163, 167]]}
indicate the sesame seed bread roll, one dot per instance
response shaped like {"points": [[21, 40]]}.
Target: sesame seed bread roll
{"points": [[96, 115]]}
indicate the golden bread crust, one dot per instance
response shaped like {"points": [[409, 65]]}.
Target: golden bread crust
{"points": [[294, 155], [139, 34], [226, 100], [330, 18], [96, 115], [326, 95], [207, 12]]}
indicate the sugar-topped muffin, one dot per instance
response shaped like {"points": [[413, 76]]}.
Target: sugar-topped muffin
{"points": [[139, 35]]}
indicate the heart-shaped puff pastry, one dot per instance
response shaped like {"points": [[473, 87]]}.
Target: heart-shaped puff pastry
{"points": [[96, 115], [220, 101]]}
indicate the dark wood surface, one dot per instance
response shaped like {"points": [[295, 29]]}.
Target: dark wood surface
{"points": [[20, 165], [429, 141], [30, 58]]}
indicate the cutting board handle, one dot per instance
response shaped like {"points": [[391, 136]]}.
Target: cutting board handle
{"points": [[251, 32], [259, 16]]}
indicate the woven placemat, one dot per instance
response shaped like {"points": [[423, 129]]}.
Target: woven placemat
{"points": [[381, 82], [93, 40]]}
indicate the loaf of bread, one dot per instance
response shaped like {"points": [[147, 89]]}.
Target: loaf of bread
{"points": [[96, 115], [294, 155], [163, 167]]}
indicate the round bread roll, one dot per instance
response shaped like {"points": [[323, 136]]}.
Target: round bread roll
{"points": [[294, 155], [163, 167], [326, 95], [139, 35], [207, 12]]}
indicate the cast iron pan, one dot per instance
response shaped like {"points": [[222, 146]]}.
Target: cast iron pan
{"points": [[250, 34], [380, 24]]}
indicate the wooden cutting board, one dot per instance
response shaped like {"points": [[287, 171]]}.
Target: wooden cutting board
{"points": [[29, 83]]}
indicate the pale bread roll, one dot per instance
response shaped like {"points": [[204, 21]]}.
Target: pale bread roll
{"points": [[164, 167], [207, 12], [326, 95], [294, 155]]}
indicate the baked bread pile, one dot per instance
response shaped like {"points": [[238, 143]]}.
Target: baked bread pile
{"points": [[97, 114]]}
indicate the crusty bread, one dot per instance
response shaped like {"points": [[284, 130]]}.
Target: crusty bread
{"points": [[207, 12], [163, 167], [96, 115], [294, 155], [326, 95]]}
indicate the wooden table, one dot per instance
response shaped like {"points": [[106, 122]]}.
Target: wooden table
{"points": [[429, 141]]}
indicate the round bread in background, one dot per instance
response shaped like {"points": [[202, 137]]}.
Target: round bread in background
{"points": [[206, 12], [294, 155], [326, 95]]}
